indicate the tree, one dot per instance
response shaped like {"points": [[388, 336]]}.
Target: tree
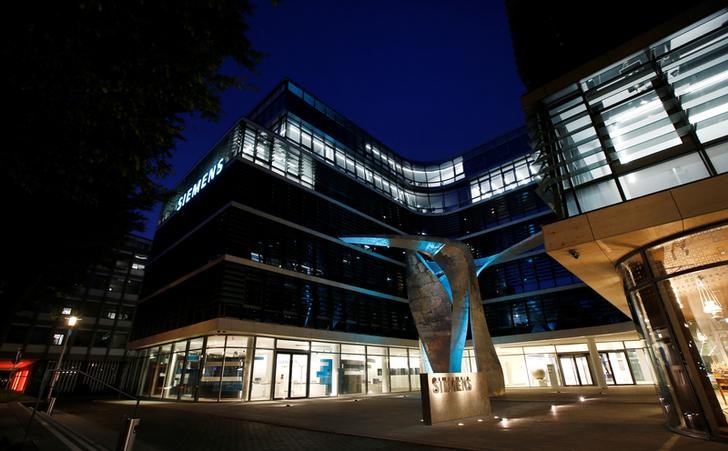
{"points": [[95, 93]]}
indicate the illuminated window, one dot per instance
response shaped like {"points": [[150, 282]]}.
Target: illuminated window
{"points": [[623, 119], [665, 175], [19, 380], [501, 179], [640, 127]]}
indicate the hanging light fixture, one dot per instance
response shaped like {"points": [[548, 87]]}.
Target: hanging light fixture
{"points": [[711, 306]]}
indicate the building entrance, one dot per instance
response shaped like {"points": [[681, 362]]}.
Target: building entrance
{"points": [[290, 375], [575, 369], [615, 366]]}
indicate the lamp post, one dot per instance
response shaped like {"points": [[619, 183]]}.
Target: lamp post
{"points": [[71, 322]]}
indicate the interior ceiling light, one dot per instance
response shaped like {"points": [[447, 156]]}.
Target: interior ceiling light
{"points": [[710, 302]]}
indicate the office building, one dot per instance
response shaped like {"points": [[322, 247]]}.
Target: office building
{"points": [[632, 149], [250, 295], [104, 303]]}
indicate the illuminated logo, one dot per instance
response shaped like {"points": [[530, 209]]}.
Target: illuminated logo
{"points": [[202, 182], [449, 384]]}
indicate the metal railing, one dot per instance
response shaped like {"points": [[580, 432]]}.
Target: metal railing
{"points": [[128, 433]]}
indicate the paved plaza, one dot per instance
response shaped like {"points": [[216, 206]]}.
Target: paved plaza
{"points": [[622, 419]]}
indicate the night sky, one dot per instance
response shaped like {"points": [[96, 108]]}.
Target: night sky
{"points": [[430, 79]]}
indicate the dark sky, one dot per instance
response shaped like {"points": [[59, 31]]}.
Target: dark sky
{"points": [[430, 79]]}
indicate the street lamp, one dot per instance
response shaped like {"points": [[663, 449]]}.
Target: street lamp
{"points": [[71, 322]]}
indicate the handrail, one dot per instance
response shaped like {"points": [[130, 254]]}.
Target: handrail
{"points": [[42, 387], [130, 396]]}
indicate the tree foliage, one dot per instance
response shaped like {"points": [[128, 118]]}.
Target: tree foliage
{"points": [[95, 93]]}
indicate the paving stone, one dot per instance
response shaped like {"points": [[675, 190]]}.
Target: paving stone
{"points": [[619, 420]]}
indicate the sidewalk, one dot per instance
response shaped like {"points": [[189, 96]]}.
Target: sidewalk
{"points": [[623, 419], [13, 422]]}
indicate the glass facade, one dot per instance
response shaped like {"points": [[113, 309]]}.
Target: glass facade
{"points": [[253, 234], [677, 290], [654, 120], [289, 369], [253, 368], [292, 146]]}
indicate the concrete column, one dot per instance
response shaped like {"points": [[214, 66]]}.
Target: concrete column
{"points": [[386, 382], [248, 366], [596, 364]]}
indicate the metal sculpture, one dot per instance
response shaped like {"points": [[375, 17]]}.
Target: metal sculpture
{"points": [[444, 297]]}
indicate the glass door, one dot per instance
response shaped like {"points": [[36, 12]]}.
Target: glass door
{"points": [[283, 375], [575, 369], [299, 370], [616, 368], [582, 364], [290, 375]]}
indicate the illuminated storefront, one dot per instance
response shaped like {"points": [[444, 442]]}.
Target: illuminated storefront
{"points": [[234, 367], [256, 367]]}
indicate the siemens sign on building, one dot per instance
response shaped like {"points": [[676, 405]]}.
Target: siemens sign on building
{"points": [[200, 184]]}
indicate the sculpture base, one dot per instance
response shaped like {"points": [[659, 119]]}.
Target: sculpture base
{"points": [[452, 396]]}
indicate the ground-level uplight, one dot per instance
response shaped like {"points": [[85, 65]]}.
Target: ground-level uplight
{"points": [[582, 399]]}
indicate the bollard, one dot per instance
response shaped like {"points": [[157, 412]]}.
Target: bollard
{"points": [[127, 435]]}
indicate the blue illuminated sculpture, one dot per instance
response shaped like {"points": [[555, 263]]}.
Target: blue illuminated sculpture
{"points": [[444, 297]]}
